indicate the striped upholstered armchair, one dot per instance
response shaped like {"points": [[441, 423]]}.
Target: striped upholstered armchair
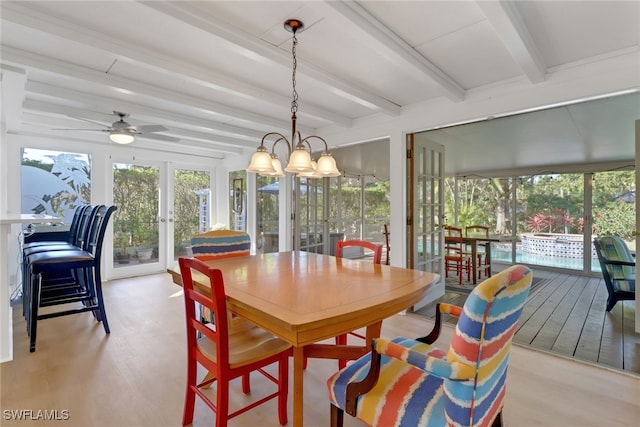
{"points": [[218, 244], [412, 383]]}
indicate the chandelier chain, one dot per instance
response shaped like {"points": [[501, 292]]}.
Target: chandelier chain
{"points": [[294, 101]]}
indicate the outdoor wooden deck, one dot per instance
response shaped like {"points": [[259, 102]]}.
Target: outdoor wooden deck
{"points": [[565, 314]]}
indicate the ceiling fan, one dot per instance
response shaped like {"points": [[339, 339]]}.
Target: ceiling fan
{"points": [[122, 132]]}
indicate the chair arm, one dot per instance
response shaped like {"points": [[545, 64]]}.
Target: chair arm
{"points": [[441, 368], [432, 365], [441, 308], [617, 262]]}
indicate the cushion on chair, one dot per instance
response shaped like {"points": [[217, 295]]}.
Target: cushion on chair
{"points": [[420, 394], [219, 244]]}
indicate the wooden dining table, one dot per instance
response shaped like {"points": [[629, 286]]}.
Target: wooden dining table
{"points": [[473, 242], [305, 298]]}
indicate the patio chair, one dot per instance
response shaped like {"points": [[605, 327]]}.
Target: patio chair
{"points": [[413, 383], [618, 267], [455, 257], [233, 348]]}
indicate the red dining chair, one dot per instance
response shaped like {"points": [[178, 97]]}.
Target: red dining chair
{"points": [[377, 257], [373, 247], [455, 257], [228, 348]]}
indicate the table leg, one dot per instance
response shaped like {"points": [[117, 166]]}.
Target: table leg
{"points": [[474, 265], [298, 385], [488, 258]]}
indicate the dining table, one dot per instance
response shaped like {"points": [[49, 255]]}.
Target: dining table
{"points": [[306, 298], [473, 242]]}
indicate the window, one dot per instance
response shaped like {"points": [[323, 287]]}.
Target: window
{"points": [[550, 214], [54, 182]]}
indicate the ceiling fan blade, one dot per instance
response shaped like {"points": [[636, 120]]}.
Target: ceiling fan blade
{"points": [[90, 121], [159, 137], [150, 128], [94, 130]]}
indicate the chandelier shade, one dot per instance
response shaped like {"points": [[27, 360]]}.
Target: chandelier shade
{"points": [[299, 149], [299, 161], [261, 162]]}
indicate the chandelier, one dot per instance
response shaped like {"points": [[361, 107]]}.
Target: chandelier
{"points": [[299, 149]]}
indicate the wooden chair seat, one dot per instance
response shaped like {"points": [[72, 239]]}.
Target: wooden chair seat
{"points": [[248, 343]]}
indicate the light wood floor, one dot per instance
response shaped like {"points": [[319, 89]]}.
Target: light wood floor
{"points": [[566, 314], [135, 376]]}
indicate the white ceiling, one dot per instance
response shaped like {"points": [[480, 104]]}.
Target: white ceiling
{"points": [[217, 74]]}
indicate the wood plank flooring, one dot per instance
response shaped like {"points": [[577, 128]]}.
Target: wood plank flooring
{"points": [[565, 314], [135, 376]]}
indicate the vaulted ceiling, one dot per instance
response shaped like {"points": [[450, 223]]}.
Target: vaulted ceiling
{"points": [[217, 74]]}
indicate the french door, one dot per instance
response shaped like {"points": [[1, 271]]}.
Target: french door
{"points": [[425, 210], [311, 227], [160, 206]]}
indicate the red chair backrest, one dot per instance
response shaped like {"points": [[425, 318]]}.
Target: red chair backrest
{"points": [[216, 303], [375, 247], [452, 240]]}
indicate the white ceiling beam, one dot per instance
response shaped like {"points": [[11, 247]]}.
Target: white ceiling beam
{"points": [[510, 27], [364, 20], [192, 15], [126, 52], [116, 84]]}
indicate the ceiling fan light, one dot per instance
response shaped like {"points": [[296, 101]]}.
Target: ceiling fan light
{"points": [[299, 161], [327, 166], [121, 137]]}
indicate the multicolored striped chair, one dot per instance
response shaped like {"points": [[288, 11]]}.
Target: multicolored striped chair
{"points": [[218, 244], [406, 382]]}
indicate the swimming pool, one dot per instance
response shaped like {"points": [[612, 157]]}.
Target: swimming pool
{"points": [[502, 253]]}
